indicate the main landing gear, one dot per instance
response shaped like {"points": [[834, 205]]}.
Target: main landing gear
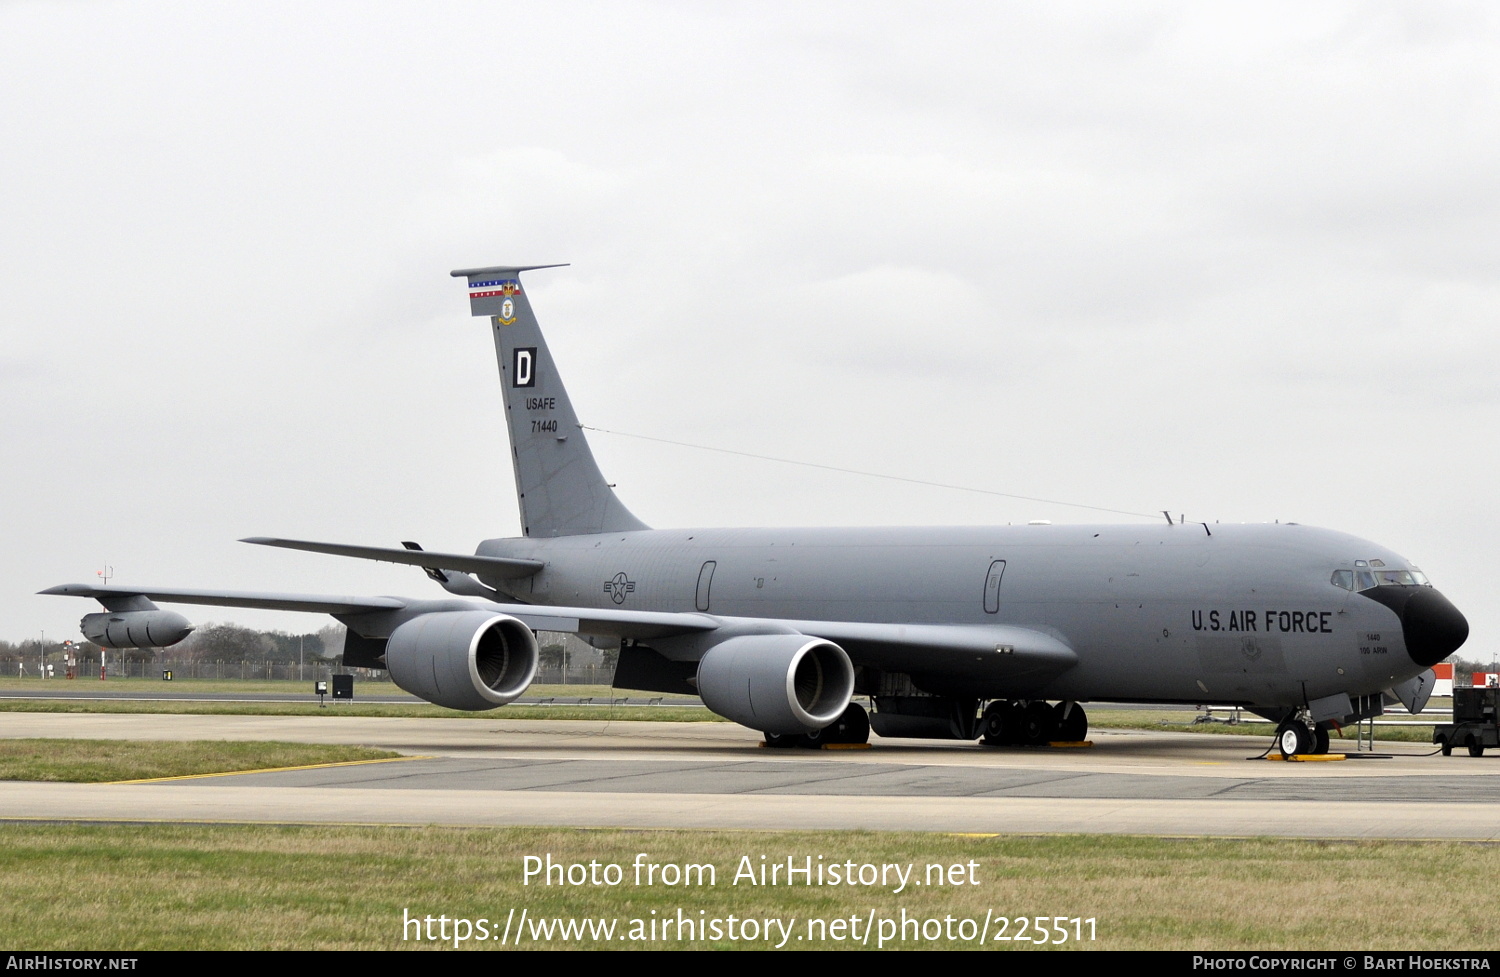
{"points": [[1034, 723], [853, 727]]}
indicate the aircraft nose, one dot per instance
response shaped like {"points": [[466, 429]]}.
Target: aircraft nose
{"points": [[1433, 627]]}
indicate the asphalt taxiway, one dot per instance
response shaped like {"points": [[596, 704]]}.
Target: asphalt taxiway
{"points": [[497, 771]]}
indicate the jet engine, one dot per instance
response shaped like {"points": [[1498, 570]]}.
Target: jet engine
{"points": [[777, 683], [463, 659], [135, 629]]}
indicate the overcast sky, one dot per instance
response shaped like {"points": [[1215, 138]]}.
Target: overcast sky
{"points": [[1239, 262]]}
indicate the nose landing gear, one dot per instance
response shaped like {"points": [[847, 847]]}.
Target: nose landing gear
{"points": [[1294, 737]]}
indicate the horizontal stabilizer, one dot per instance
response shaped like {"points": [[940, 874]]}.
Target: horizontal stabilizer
{"points": [[315, 603], [488, 566]]}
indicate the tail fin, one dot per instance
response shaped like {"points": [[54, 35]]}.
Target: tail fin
{"points": [[561, 490]]}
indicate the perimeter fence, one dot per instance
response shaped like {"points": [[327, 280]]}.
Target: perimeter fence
{"points": [[265, 670]]}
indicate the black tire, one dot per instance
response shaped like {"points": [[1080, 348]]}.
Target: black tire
{"points": [[852, 727], [1074, 726], [782, 741], [1293, 738], [992, 725], [1040, 724], [1320, 741], [1003, 724], [1015, 723], [1445, 746], [1476, 748]]}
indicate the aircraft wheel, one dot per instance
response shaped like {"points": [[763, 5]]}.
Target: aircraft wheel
{"points": [[1004, 724], [993, 727], [1040, 723], [1294, 738], [1014, 717], [782, 741], [1320, 741], [852, 727], [1072, 722]]}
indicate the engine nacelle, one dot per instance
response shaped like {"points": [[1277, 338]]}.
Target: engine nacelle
{"points": [[135, 629], [463, 659], [777, 683]]}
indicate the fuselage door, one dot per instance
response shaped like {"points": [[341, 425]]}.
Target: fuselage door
{"points": [[992, 587], [705, 579]]}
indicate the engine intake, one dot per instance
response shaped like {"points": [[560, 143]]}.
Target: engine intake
{"points": [[777, 683], [469, 660]]}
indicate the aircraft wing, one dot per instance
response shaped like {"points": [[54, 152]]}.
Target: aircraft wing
{"points": [[905, 647], [937, 648], [578, 620], [976, 650], [316, 603], [504, 568], [611, 623]]}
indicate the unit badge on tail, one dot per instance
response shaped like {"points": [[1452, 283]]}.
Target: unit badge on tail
{"points": [[503, 287]]}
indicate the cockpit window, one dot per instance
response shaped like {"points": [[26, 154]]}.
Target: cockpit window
{"points": [[1357, 580]]}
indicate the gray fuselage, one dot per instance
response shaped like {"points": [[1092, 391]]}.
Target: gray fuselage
{"points": [[1186, 613]]}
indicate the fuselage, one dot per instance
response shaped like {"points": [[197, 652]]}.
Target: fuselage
{"points": [[1253, 614]]}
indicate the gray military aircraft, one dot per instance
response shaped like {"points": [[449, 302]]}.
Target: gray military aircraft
{"points": [[990, 632]]}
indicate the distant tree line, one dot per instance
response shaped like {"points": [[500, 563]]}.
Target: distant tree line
{"points": [[1464, 669], [29, 650], [231, 643], [209, 642]]}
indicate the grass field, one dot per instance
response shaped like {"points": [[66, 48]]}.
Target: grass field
{"points": [[97, 761], [672, 708], [233, 886], [421, 710]]}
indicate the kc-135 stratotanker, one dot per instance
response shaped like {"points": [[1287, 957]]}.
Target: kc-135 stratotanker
{"points": [[990, 632]]}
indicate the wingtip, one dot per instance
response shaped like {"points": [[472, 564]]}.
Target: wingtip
{"points": [[64, 589]]}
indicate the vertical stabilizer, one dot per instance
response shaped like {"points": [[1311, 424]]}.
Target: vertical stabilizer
{"points": [[561, 490]]}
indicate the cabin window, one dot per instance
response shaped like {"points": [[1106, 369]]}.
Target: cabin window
{"points": [[992, 587], [705, 582]]}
